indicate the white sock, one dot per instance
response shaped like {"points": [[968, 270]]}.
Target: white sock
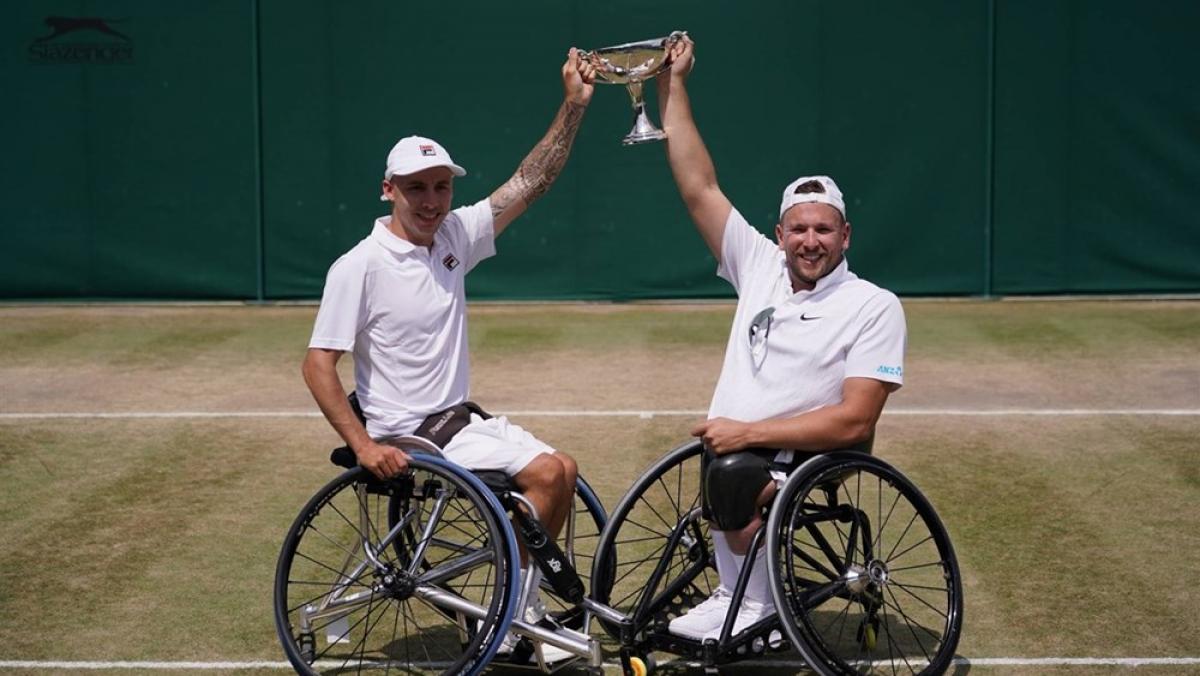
{"points": [[521, 574], [739, 560], [727, 565], [758, 587], [535, 584]]}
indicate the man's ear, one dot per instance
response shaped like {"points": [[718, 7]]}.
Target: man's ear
{"points": [[389, 191]]}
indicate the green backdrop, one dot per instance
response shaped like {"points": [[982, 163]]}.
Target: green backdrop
{"points": [[233, 148]]}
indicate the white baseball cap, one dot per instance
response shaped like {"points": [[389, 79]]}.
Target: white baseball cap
{"points": [[828, 193], [417, 153]]}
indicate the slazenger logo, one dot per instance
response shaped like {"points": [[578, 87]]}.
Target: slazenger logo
{"points": [[82, 45], [891, 370]]}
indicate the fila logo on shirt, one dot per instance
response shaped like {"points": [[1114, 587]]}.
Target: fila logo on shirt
{"points": [[450, 262], [428, 151]]}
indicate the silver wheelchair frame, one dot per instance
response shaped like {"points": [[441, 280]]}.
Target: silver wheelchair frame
{"points": [[413, 547]]}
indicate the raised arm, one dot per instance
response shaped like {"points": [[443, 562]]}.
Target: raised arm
{"points": [[544, 163], [690, 162]]}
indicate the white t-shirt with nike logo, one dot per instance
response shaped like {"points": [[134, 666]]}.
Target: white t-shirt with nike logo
{"points": [[804, 344]]}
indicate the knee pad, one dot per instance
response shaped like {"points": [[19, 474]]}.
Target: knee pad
{"points": [[732, 484]]}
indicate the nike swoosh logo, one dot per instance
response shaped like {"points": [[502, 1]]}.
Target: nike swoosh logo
{"points": [[806, 318]]}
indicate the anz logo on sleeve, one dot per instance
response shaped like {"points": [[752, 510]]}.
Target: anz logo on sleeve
{"points": [[897, 371]]}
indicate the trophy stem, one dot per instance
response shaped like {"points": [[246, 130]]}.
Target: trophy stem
{"points": [[643, 130], [635, 94]]}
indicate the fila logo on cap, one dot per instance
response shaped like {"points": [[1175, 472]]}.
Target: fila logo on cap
{"points": [[428, 151]]}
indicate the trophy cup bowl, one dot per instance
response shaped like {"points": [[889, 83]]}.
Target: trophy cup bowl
{"points": [[632, 64]]}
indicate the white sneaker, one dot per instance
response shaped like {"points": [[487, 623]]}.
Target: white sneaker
{"points": [[551, 654], [536, 610], [534, 614], [705, 618], [750, 613]]}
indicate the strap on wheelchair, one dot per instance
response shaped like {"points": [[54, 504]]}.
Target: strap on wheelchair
{"points": [[550, 558], [441, 427], [438, 428]]}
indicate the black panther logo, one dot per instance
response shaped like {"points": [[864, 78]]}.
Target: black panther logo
{"points": [[62, 25]]}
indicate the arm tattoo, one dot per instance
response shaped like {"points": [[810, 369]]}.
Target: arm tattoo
{"points": [[544, 163]]}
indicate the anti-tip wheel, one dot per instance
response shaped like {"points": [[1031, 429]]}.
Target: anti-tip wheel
{"points": [[642, 666], [868, 634]]}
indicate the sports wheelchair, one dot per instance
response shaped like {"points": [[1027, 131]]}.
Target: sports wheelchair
{"points": [[420, 573]]}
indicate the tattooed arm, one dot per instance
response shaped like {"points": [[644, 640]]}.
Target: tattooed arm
{"points": [[544, 163]]}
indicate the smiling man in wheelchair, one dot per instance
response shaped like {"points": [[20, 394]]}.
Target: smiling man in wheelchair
{"points": [[396, 300], [812, 356]]}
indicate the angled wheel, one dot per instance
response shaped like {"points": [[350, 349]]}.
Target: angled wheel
{"points": [[432, 591], [862, 570], [654, 560]]}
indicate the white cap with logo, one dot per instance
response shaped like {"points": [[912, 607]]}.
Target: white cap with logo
{"points": [[417, 153], [826, 193]]}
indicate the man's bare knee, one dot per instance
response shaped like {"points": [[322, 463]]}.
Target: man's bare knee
{"points": [[570, 470], [766, 495], [543, 474]]}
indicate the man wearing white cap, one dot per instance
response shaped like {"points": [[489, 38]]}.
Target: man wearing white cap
{"points": [[396, 300], [812, 356]]}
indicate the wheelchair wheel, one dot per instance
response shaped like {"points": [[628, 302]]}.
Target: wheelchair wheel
{"points": [[654, 560], [862, 571], [434, 592]]}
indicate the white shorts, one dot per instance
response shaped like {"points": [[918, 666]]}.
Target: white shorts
{"points": [[494, 444]]}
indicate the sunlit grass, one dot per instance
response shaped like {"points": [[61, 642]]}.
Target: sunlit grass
{"points": [[156, 539]]}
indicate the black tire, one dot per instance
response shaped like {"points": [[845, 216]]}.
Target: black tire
{"points": [[657, 522], [403, 612], [862, 571]]}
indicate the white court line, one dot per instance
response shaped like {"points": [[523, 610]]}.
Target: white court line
{"points": [[616, 413], [977, 661]]}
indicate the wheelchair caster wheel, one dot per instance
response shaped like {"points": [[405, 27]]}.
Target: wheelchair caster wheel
{"points": [[868, 634], [308, 647], [641, 666]]}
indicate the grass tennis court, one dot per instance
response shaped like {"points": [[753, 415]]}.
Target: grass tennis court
{"points": [[154, 538]]}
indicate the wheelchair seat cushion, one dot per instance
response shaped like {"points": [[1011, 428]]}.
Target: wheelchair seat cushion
{"points": [[496, 480]]}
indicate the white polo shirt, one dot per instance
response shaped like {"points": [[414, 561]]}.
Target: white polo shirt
{"points": [[844, 327], [401, 309]]}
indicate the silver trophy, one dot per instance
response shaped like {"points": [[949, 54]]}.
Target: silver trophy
{"points": [[631, 65]]}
